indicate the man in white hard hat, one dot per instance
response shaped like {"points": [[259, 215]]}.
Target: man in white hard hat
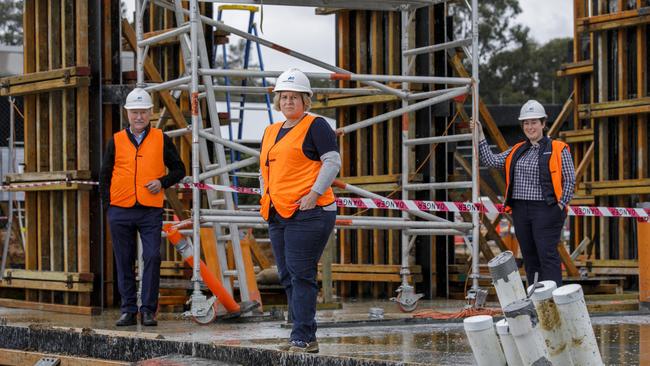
{"points": [[299, 160], [540, 180], [131, 183]]}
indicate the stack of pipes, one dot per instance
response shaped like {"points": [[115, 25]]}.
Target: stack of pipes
{"points": [[550, 326]]}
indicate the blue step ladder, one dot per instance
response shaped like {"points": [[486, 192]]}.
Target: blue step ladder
{"points": [[252, 29]]}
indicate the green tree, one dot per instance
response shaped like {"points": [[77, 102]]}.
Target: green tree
{"points": [[11, 22], [526, 71], [495, 24]]}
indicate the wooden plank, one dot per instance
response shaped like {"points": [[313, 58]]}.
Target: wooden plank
{"points": [[42, 147], [29, 66], [371, 268], [253, 291], [57, 308], [626, 263], [566, 111], [344, 50], [49, 175], [354, 101], [55, 72], [48, 276], [601, 23], [378, 139], [571, 268], [575, 68], [69, 138], [361, 157], [620, 191], [361, 277], [48, 285], [209, 247], [488, 121], [55, 137], [258, 255], [375, 188], [11, 357], [622, 305], [585, 163], [575, 136], [614, 109], [616, 271], [53, 187], [67, 39], [374, 179], [46, 86], [616, 183]]}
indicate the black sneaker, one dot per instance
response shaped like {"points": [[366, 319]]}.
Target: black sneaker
{"points": [[127, 319], [148, 319], [307, 347]]}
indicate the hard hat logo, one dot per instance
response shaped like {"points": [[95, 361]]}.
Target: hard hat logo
{"points": [[532, 109], [293, 80], [138, 98]]}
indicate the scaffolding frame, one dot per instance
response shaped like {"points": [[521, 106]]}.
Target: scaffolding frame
{"points": [[201, 84]]}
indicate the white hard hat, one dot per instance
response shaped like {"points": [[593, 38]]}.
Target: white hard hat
{"points": [[532, 109], [293, 80], [138, 98]]}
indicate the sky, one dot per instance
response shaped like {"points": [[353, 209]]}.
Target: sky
{"points": [[297, 28]]}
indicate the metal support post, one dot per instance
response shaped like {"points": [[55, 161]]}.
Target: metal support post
{"points": [[198, 299], [475, 159]]}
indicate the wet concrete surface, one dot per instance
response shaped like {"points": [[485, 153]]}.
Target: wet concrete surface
{"points": [[623, 340]]}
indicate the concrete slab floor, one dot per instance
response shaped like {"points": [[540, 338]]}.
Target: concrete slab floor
{"points": [[623, 340]]}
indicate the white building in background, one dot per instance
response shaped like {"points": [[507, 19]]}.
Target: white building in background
{"points": [[11, 60], [11, 63]]}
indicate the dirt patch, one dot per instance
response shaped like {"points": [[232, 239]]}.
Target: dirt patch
{"points": [[549, 317], [577, 342]]}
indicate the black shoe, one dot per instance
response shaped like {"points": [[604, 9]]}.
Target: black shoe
{"points": [[127, 319], [148, 319]]}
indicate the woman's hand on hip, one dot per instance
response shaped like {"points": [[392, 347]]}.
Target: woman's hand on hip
{"points": [[308, 201]]}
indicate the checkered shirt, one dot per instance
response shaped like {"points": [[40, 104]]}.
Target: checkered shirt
{"points": [[526, 181]]}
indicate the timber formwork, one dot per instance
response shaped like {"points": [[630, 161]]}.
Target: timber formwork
{"points": [[63, 249], [609, 138]]}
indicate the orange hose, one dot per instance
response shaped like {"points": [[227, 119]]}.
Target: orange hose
{"points": [[215, 286], [209, 278]]}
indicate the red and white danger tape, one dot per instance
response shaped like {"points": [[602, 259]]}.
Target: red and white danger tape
{"points": [[640, 214], [443, 206]]}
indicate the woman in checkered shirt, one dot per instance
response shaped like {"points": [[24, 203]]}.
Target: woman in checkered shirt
{"points": [[540, 179]]}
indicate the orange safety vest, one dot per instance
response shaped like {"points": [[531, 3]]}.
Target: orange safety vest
{"points": [[288, 174], [550, 170], [136, 166]]}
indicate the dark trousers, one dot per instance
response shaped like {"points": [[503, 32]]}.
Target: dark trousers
{"points": [[125, 223], [298, 243], [538, 228]]}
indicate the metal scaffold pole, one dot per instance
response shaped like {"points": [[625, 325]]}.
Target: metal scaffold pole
{"points": [[475, 158], [196, 167], [223, 214]]}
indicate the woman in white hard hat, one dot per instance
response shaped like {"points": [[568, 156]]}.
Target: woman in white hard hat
{"points": [[299, 160], [540, 180]]}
